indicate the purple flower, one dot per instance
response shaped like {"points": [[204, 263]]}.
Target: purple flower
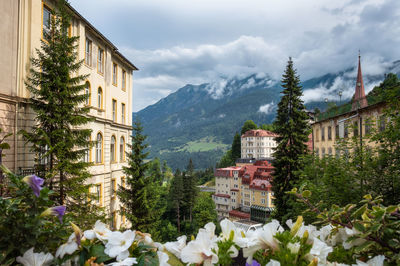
{"points": [[35, 183], [253, 263], [58, 211]]}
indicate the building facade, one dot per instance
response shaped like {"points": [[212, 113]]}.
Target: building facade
{"points": [[354, 119], [257, 144], [238, 189], [109, 87]]}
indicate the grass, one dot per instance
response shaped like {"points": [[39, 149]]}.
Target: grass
{"points": [[204, 144]]}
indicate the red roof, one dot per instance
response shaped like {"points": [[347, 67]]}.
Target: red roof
{"points": [[227, 171], [260, 184], [234, 189], [260, 171], [259, 133], [239, 214], [222, 195]]}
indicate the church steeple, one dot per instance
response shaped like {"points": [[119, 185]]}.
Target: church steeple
{"points": [[360, 100]]}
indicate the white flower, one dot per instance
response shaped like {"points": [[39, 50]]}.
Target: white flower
{"points": [[320, 250], [68, 248], [273, 263], [375, 261], [294, 248], [125, 262], [119, 243], [100, 231], [200, 250], [311, 229], [177, 246], [35, 259], [262, 238], [348, 233], [229, 229], [162, 258]]}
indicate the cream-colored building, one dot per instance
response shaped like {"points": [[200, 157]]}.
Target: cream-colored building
{"points": [[240, 189], [257, 144], [355, 119], [109, 85]]}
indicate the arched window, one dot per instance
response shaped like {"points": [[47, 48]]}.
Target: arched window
{"points": [[112, 149], [100, 98], [99, 148], [122, 149], [87, 92]]}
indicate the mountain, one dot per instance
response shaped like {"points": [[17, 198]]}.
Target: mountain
{"points": [[199, 121]]}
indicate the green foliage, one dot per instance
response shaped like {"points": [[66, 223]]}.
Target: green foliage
{"points": [[21, 225], [248, 125], [60, 134], [137, 197], [204, 210], [236, 147], [376, 227], [226, 160], [292, 127]]}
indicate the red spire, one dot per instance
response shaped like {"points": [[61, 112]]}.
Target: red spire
{"points": [[360, 100]]}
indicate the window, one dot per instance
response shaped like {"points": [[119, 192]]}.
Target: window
{"points": [[100, 61], [346, 131], [115, 74], [317, 135], [99, 194], [122, 149], [355, 128], [88, 52], [87, 92], [336, 131], [123, 80], [262, 201], [100, 98], [329, 133], [382, 125], [317, 152], [322, 133], [43, 155], [114, 220], [99, 148], [46, 23], [122, 113], [263, 193], [113, 188], [323, 152], [114, 110], [112, 149], [87, 155]]}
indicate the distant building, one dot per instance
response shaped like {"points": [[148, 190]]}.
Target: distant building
{"points": [[356, 118], [240, 190], [257, 144], [109, 87]]}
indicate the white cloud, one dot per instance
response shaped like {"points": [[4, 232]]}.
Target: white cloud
{"points": [[267, 108], [178, 42]]}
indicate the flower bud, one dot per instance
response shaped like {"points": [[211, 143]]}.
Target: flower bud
{"points": [[297, 225]]}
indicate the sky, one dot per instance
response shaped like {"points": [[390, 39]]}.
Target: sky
{"points": [[179, 42]]}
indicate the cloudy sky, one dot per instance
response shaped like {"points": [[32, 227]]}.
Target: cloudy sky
{"points": [[176, 42]]}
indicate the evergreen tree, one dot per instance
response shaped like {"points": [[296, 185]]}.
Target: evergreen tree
{"points": [[248, 125], [190, 189], [136, 197], [236, 147], [59, 134], [176, 196], [292, 127]]}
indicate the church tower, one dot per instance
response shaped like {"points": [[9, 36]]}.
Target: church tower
{"points": [[360, 101]]}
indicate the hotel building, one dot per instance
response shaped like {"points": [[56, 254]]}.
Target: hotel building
{"points": [[109, 86]]}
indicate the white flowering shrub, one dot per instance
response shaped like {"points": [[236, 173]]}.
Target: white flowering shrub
{"points": [[367, 235]]}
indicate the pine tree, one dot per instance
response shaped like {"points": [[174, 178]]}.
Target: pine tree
{"points": [[236, 147], [292, 127], [136, 196], [59, 134], [190, 189], [176, 196]]}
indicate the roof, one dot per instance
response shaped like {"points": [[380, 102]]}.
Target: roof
{"points": [[260, 184], [234, 189], [259, 133], [227, 171], [96, 31], [359, 96], [239, 214], [262, 208], [222, 196]]}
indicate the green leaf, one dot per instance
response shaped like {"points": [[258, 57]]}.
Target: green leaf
{"points": [[363, 247], [359, 227], [306, 193], [359, 211]]}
